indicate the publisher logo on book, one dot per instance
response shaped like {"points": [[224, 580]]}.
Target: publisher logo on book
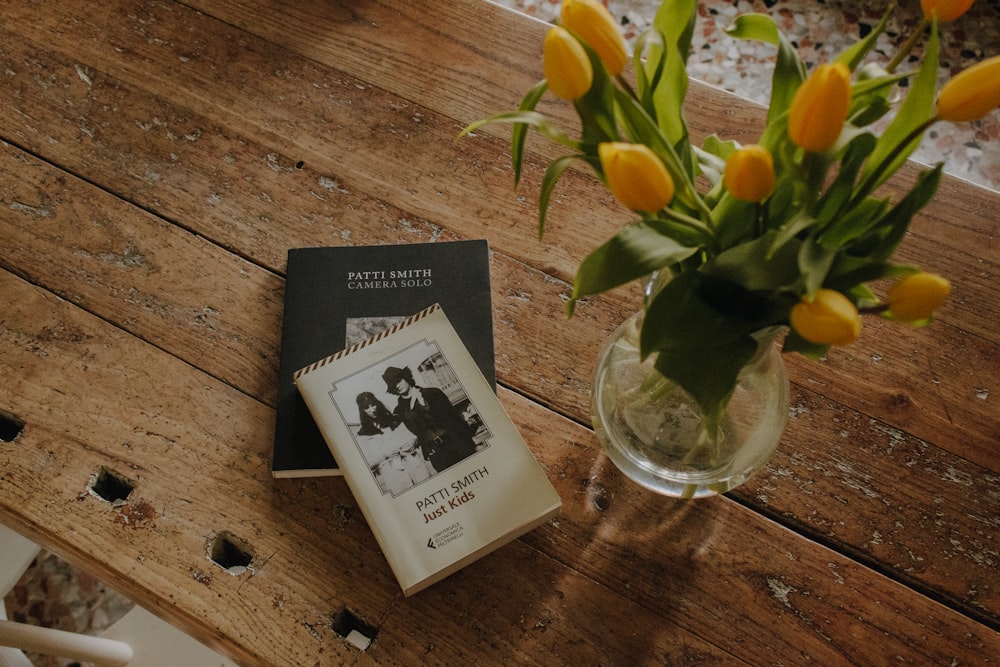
{"points": [[445, 535]]}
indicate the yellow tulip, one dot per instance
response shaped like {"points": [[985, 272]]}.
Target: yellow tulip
{"points": [[945, 10], [917, 296], [594, 24], [972, 93], [636, 176], [566, 65], [749, 173], [829, 318], [820, 107]]}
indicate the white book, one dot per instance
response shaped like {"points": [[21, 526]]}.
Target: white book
{"points": [[437, 467]]}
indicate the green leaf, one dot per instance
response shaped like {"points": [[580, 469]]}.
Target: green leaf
{"points": [[536, 120], [854, 223], [675, 21], [864, 112], [734, 220], [799, 222], [796, 343], [679, 318], [552, 174], [814, 262], [848, 273], [854, 54], [891, 229], [596, 107], [713, 145], [641, 128], [699, 348], [789, 70], [520, 131], [753, 266], [635, 251], [712, 157], [647, 71], [710, 375], [862, 296], [870, 95], [903, 134], [831, 204]]}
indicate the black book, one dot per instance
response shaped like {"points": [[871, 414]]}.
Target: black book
{"points": [[337, 297]]}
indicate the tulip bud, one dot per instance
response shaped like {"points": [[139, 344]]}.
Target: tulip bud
{"points": [[566, 65], [917, 296], [829, 318], [945, 10], [636, 176], [594, 24], [749, 173], [820, 108], [972, 93]]}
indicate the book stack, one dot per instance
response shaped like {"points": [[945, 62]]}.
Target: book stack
{"points": [[405, 405], [335, 297]]}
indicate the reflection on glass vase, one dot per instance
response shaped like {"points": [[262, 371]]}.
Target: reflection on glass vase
{"points": [[656, 434]]}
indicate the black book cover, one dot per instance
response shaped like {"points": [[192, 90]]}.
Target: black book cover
{"points": [[338, 296]]}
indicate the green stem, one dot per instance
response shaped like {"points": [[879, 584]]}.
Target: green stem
{"points": [[627, 87], [874, 310], [876, 176], [602, 126], [690, 222], [908, 45]]}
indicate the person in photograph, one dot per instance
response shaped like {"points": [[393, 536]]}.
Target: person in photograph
{"points": [[443, 435], [389, 448]]}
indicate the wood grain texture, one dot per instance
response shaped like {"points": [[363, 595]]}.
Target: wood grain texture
{"points": [[663, 558], [159, 161]]}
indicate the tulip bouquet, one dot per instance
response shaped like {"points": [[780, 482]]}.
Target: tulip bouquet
{"points": [[787, 232]]}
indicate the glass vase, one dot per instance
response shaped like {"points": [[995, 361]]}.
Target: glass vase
{"points": [[656, 434]]}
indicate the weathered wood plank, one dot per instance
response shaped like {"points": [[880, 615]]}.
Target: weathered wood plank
{"points": [[885, 498], [120, 404], [110, 257], [465, 85], [240, 188], [666, 553], [330, 110], [247, 195], [679, 566]]}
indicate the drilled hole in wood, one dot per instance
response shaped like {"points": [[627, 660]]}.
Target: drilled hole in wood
{"points": [[111, 486], [10, 426], [231, 553], [356, 631]]}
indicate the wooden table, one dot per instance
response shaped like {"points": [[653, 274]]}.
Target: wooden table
{"points": [[159, 158]]}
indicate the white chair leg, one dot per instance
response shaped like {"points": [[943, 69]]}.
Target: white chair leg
{"points": [[17, 554], [139, 636], [12, 657], [72, 645], [159, 644]]}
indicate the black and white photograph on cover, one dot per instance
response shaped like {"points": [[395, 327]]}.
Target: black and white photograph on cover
{"points": [[410, 416], [357, 329]]}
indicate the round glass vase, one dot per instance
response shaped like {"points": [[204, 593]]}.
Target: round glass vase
{"points": [[656, 434]]}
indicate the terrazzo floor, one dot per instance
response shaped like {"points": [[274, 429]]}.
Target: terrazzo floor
{"points": [[54, 594], [821, 29]]}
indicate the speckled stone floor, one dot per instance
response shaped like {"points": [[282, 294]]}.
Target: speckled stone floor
{"points": [[821, 29], [54, 594]]}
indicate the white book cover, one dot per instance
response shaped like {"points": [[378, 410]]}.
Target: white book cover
{"points": [[437, 467]]}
